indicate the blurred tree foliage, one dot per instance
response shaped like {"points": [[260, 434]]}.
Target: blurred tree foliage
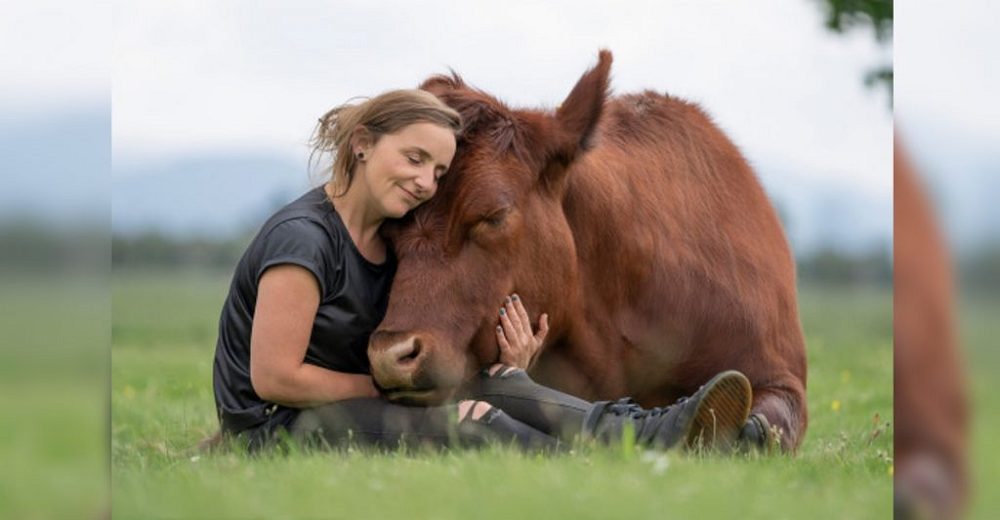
{"points": [[845, 15], [154, 249], [830, 266], [32, 246], [980, 271]]}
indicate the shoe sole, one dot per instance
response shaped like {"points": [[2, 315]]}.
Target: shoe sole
{"points": [[721, 414]]}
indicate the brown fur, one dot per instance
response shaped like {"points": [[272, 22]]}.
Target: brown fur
{"points": [[929, 398], [633, 221]]}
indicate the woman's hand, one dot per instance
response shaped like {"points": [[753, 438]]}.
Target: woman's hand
{"points": [[518, 344]]}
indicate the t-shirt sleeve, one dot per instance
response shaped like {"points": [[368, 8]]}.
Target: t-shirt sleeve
{"points": [[301, 242]]}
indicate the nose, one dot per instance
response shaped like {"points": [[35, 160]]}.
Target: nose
{"points": [[395, 359], [425, 181]]}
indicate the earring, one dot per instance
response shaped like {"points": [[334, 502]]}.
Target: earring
{"points": [[361, 156]]}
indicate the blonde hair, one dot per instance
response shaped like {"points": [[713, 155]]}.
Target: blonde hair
{"points": [[380, 115]]}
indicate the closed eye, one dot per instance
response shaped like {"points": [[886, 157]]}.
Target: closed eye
{"points": [[496, 218], [491, 226]]}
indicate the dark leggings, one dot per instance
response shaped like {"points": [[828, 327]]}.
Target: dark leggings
{"points": [[525, 413]]}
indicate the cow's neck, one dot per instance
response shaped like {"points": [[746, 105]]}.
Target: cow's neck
{"points": [[594, 206]]}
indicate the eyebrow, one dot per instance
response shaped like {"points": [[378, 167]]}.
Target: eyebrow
{"points": [[424, 154]]}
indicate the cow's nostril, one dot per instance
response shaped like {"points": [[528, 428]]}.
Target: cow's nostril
{"points": [[411, 356], [403, 354]]}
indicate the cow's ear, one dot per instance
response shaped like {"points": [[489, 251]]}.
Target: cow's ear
{"points": [[578, 115], [572, 129]]}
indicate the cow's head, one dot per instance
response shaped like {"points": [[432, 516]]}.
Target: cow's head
{"points": [[495, 227]]}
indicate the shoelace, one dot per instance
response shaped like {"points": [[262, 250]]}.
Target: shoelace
{"points": [[628, 406]]}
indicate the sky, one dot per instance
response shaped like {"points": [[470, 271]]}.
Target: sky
{"points": [[950, 70], [55, 56], [190, 78], [948, 117], [196, 76]]}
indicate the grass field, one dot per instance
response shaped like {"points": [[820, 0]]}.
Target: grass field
{"points": [[163, 339], [979, 332], [53, 396]]}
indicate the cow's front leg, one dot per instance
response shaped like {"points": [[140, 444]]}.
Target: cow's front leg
{"points": [[778, 417]]}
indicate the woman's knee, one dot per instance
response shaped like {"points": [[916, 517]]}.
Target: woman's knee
{"points": [[472, 409]]}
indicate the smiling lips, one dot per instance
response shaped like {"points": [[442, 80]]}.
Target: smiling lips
{"points": [[410, 193]]}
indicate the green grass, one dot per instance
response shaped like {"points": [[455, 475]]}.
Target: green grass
{"points": [[979, 330], [163, 340], [53, 395]]}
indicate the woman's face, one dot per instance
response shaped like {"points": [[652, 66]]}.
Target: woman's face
{"points": [[402, 169]]}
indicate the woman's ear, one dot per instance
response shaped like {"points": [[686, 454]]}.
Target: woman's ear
{"points": [[361, 139]]}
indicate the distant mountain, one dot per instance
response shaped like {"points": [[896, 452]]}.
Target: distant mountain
{"points": [[208, 195], [57, 165], [819, 213], [218, 195]]}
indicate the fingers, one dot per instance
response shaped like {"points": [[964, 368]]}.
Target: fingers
{"points": [[522, 328], [502, 340], [517, 342], [522, 315], [510, 355], [510, 329], [543, 328], [517, 325]]}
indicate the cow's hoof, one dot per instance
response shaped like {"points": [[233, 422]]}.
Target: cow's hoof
{"points": [[757, 435]]}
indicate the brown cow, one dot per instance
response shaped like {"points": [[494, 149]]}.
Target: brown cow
{"points": [[632, 221], [928, 392]]}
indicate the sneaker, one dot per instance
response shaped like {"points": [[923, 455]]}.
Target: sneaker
{"points": [[711, 418]]}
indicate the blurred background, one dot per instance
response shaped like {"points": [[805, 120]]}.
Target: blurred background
{"points": [[201, 112], [55, 294], [947, 117], [214, 103]]}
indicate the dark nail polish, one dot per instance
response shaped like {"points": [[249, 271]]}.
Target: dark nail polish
{"points": [[503, 311], [514, 297]]}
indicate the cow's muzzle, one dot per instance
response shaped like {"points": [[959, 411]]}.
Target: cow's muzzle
{"points": [[413, 368], [396, 359]]}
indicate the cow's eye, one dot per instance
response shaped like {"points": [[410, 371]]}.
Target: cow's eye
{"points": [[491, 226], [490, 223], [496, 218]]}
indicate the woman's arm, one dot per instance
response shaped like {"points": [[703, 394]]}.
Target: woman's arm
{"points": [[287, 301]]}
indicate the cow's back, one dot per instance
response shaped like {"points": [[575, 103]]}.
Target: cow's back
{"points": [[682, 249]]}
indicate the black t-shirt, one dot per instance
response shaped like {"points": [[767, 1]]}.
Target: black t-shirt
{"points": [[353, 297]]}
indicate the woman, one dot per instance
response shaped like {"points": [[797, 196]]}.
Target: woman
{"points": [[313, 284]]}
